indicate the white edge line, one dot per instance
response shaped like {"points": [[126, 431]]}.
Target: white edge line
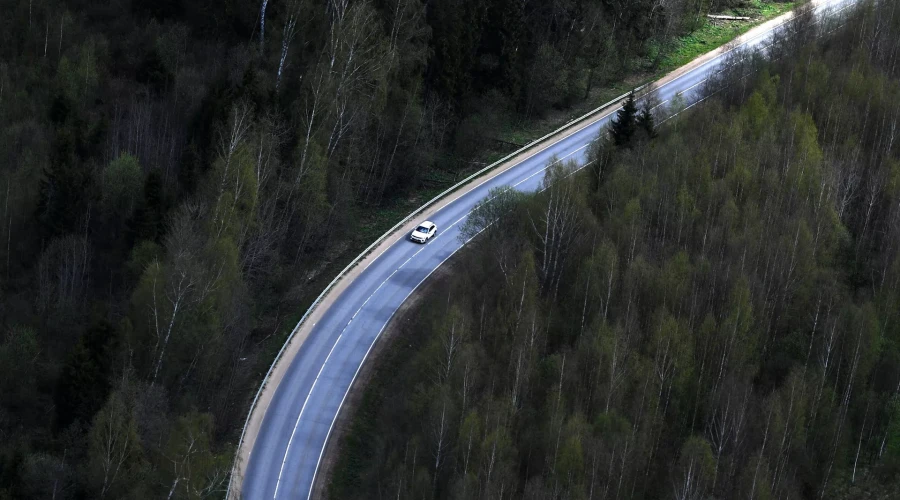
{"points": [[302, 410], [359, 367], [324, 363]]}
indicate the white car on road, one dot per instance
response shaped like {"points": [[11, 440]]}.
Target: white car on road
{"points": [[424, 232]]}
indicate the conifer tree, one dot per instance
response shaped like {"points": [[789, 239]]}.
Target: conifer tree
{"points": [[148, 221], [646, 123], [623, 127]]}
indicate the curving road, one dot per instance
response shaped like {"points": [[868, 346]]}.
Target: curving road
{"points": [[298, 421]]}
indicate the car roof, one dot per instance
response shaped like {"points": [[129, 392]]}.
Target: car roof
{"points": [[426, 223]]}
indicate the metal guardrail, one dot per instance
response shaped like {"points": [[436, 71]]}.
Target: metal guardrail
{"points": [[365, 253]]}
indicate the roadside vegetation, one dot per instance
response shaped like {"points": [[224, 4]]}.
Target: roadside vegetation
{"points": [[714, 33], [655, 62], [711, 313]]}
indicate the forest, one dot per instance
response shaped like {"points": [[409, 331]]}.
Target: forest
{"points": [[170, 171], [711, 309]]}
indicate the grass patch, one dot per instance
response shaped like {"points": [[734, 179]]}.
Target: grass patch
{"points": [[715, 33], [709, 36]]}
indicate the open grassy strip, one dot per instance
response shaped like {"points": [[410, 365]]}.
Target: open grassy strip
{"points": [[710, 35], [715, 32]]}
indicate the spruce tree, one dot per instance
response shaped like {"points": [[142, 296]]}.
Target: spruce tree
{"points": [[623, 127], [646, 123], [84, 384], [65, 187], [148, 221]]}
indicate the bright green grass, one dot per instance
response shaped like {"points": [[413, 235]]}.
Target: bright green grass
{"points": [[710, 35], [715, 33]]}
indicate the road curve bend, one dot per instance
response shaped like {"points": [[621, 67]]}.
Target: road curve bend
{"points": [[291, 421]]}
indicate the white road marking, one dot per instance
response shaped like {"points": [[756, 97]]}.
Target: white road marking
{"points": [[551, 164], [322, 368], [457, 221], [302, 409], [366, 355]]}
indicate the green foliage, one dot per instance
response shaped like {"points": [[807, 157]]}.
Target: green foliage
{"points": [[148, 220], [238, 166], [491, 213], [122, 180], [645, 123], [144, 254], [892, 435], [198, 470], [66, 191], [549, 81], [696, 459], [456, 31], [313, 190], [78, 75], [114, 446], [570, 464]]}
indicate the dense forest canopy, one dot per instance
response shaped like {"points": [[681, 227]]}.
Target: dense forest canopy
{"points": [[169, 170], [713, 313]]}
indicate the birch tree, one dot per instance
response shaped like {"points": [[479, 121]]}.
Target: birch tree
{"points": [[558, 225], [114, 447]]}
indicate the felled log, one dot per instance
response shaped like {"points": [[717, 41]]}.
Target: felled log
{"points": [[728, 18]]}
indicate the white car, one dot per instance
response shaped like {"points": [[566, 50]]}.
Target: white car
{"points": [[424, 232]]}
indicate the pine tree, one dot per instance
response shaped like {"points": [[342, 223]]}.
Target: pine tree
{"points": [[623, 127]]}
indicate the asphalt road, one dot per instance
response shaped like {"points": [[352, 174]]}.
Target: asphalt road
{"points": [[299, 419]]}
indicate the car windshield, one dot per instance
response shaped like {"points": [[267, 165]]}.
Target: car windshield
{"points": [[422, 229]]}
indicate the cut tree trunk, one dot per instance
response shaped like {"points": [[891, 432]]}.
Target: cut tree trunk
{"points": [[728, 18]]}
